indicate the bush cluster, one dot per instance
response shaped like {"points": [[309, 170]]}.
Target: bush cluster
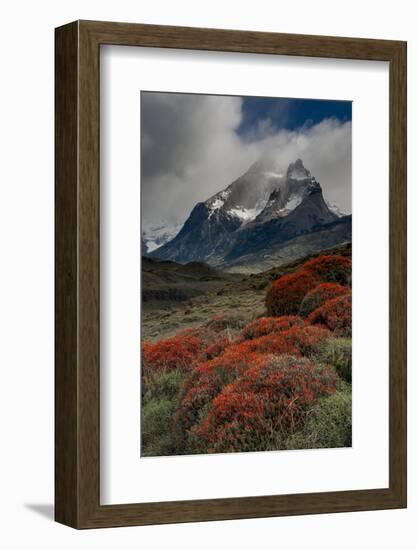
{"points": [[330, 269], [319, 295], [160, 399], [336, 352], [336, 314], [281, 381], [272, 396], [286, 294], [179, 352], [329, 424], [267, 325], [202, 386]]}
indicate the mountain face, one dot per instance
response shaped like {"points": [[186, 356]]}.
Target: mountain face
{"points": [[208, 232], [263, 210]]}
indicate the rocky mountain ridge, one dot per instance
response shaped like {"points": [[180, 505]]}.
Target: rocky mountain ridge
{"points": [[263, 210]]}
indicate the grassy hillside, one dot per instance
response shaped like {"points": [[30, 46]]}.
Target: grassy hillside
{"points": [[176, 296]]}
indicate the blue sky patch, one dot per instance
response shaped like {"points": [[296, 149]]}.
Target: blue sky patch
{"points": [[288, 114]]}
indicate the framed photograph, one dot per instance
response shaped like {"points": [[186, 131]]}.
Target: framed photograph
{"points": [[230, 274]]}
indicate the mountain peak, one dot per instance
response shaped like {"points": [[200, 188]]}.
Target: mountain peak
{"points": [[274, 195], [268, 163], [266, 204], [297, 171]]}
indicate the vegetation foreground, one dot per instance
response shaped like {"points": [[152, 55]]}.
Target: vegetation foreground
{"points": [[283, 381]]}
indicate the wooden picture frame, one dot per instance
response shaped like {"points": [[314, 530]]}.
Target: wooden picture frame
{"points": [[77, 383]]}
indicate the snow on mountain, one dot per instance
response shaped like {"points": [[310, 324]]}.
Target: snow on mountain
{"points": [[247, 214], [155, 236], [247, 196], [253, 193], [217, 201], [335, 209], [293, 202]]}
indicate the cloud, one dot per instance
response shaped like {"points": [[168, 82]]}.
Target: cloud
{"points": [[190, 150], [326, 150]]}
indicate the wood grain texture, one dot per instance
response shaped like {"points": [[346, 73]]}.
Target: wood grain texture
{"points": [[398, 273], [78, 284], [66, 238]]}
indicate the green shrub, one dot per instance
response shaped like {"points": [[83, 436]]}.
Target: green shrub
{"points": [[329, 424], [159, 402], [156, 421], [167, 384], [337, 352]]}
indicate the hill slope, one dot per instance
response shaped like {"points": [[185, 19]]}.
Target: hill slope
{"points": [[176, 296]]}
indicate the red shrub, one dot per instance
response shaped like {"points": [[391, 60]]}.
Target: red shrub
{"points": [[208, 379], [305, 339], [273, 396], [316, 297], [336, 314], [285, 295], [202, 386], [330, 269], [267, 325], [297, 340], [182, 351], [273, 344], [215, 349], [294, 341]]}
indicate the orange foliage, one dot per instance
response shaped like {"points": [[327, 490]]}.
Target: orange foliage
{"points": [[204, 383], [336, 314], [182, 351], [285, 295], [330, 269], [266, 325], [320, 294], [218, 347], [208, 378], [297, 340], [274, 395]]}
